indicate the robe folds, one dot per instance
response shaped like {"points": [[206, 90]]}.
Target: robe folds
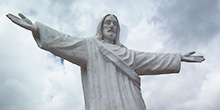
{"points": [[110, 73]]}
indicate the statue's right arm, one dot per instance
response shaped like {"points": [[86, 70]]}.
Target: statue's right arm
{"points": [[65, 46]]}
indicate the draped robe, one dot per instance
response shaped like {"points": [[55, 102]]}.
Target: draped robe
{"points": [[110, 73]]}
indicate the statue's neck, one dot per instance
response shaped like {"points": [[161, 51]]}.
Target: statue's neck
{"points": [[110, 41]]}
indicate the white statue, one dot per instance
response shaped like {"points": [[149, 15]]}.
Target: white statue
{"points": [[110, 71]]}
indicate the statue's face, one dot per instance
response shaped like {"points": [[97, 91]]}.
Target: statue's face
{"points": [[110, 27]]}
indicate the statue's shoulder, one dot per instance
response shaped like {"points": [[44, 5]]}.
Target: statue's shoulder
{"points": [[92, 40]]}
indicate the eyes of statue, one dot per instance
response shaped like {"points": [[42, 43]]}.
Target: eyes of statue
{"points": [[108, 22]]}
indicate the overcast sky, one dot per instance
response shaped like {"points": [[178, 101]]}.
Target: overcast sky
{"points": [[33, 79]]}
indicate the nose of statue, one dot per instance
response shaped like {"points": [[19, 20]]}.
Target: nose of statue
{"points": [[111, 25]]}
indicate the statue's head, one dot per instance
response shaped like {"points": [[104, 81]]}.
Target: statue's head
{"points": [[109, 28]]}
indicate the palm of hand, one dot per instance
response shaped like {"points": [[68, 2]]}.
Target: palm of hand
{"points": [[23, 21], [190, 58]]}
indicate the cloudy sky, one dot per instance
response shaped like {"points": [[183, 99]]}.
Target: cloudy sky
{"points": [[33, 79]]}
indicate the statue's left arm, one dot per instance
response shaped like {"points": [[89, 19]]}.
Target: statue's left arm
{"points": [[162, 63], [157, 63]]}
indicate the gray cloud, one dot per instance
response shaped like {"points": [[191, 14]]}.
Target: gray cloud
{"points": [[189, 22]]}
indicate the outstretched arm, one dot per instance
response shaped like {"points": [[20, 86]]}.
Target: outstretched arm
{"points": [[23, 22], [162, 63], [157, 63], [189, 57], [65, 46]]}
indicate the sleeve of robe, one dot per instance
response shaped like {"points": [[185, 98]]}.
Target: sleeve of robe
{"points": [[157, 63], [65, 46]]}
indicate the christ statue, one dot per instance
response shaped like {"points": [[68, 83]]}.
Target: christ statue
{"points": [[110, 71]]}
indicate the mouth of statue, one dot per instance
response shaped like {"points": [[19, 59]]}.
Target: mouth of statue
{"points": [[110, 30]]}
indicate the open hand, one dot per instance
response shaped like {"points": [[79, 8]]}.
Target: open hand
{"points": [[190, 58], [23, 21]]}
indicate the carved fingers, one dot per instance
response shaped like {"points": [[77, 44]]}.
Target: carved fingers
{"points": [[190, 53], [14, 18], [23, 21], [189, 57], [199, 58], [24, 18]]}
